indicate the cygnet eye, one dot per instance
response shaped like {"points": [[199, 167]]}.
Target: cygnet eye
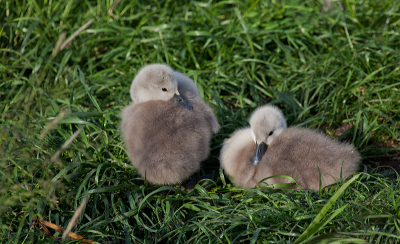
{"points": [[164, 89], [272, 132]]}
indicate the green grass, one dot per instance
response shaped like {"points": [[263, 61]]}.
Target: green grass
{"points": [[322, 69]]}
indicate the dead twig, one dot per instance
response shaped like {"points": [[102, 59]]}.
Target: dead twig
{"points": [[76, 33], [71, 235], [75, 217]]}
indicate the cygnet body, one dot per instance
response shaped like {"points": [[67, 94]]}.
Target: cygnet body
{"points": [[167, 129], [267, 148]]}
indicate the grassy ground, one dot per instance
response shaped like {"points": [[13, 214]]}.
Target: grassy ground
{"points": [[62, 89]]}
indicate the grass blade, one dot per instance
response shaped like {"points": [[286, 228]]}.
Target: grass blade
{"points": [[316, 225]]}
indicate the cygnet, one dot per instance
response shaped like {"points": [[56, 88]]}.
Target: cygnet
{"points": [[167, 129], [267, 148]]}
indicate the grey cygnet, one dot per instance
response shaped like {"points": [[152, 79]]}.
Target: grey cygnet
{"points": [[167, 129], [267, 148]]}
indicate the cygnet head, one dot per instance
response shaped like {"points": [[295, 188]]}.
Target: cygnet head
{"points": [[156, 82], [266, 124]]}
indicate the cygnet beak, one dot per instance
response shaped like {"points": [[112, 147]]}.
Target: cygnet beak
{"points": [[259, 152], [179, 100]]}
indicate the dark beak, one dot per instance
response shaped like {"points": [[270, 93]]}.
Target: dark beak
{"points": [[259, 152], [179, 100]]}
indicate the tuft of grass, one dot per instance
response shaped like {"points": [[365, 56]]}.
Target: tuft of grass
{"points": [[65, 73]]}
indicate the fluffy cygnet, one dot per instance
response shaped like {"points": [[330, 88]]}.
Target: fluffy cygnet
{"points": [[267, 148], [167, 129]]}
